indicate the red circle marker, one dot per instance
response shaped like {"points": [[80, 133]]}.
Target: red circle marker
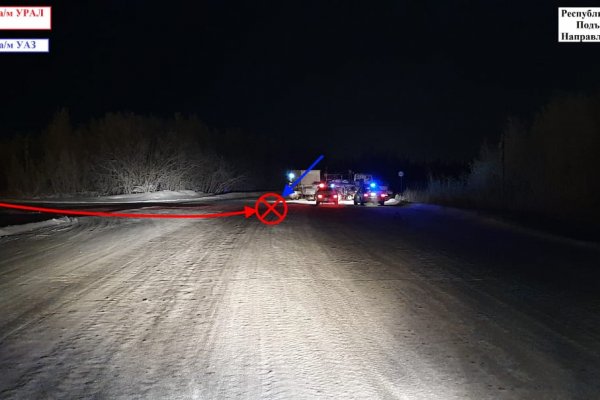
{"points": [[270, 201]]}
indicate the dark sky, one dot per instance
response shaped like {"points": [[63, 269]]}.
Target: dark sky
{"points": [[418, 78]]}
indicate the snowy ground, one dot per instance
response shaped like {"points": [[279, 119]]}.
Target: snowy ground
{"points": [[164, 196], [414, 302], [35, 226], [14, 221]]}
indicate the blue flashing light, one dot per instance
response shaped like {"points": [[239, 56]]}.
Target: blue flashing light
{"points": [[333, 185], [373, 185]]}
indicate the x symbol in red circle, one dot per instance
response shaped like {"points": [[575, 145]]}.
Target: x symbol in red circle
{"points": [[271, 208]]}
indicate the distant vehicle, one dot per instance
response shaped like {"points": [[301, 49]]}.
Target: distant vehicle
{"points": [[326, 195], [307, 187], [346, 185], [370, 193]]}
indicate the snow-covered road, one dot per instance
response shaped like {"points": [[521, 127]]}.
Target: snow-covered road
{"points": [[415, 302]]}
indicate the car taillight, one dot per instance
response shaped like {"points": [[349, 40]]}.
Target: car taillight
{"points": [[366, 194], [383, 195], [320, 196], [335, 196]]}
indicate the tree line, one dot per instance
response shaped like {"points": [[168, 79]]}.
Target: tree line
{"points": [[545, 165], [118, 153]]}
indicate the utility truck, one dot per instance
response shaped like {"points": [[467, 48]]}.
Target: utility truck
{"points": [[308, 185]]}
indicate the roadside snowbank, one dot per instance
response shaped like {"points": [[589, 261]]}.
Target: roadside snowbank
{"points": [[18, 229], [165, 196]]}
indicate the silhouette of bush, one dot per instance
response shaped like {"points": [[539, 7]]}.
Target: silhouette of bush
{"points": [[117, 154]]}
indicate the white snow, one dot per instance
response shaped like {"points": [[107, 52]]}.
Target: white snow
{"points": [[18, 229], [165, 196], [416, 306]]}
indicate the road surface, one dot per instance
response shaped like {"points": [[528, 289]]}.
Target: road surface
{"points": [[413, 302]]}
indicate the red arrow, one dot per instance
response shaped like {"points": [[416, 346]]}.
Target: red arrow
{"points": [[248, 212]]}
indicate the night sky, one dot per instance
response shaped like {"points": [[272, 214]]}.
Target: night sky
{"points": [[416, 78]]}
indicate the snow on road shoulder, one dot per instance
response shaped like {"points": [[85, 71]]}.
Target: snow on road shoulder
{"points": [[154, 197], [164, 196], [234, 196], [18, 229]]}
